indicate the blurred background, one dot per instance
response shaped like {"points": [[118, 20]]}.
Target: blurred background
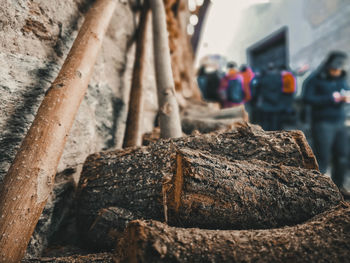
{"points": [[294, 35]]}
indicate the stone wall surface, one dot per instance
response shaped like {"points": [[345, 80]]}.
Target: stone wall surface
{"points": [[35, 38]]}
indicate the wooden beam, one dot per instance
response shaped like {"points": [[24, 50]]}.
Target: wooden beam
{"points": [[169, 116], [133, 132]]}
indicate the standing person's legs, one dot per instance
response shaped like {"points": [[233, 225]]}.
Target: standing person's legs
{"points": [[278, 122], [340, 155], [322, 137], [275, 121], [264, 120], [270, 121]]}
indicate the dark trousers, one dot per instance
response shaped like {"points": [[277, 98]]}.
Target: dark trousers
{"points": [[271, 121], [330, 143]]}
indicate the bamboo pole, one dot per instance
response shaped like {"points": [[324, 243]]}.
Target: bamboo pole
{"points": [[30, 178], [169, 116], [133, 133]]}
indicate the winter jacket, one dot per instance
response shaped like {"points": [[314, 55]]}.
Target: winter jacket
{"points": [[247, 76], [272, 95], [318, 92], [212, 86], [231, 75]]}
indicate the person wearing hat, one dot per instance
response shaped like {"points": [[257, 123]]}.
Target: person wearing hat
{"points": [[327, 91]]}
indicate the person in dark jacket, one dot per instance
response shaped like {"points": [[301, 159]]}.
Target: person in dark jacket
{"points": [[272, 96], [202, 81], [213, 78], [247, 75], [326, 91]]}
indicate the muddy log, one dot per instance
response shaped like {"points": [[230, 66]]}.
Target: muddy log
{"points": [[132, 179], [324, 238], [209, 192]]}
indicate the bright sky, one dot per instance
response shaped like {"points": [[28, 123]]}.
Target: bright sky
{"points": [[222, 13]]}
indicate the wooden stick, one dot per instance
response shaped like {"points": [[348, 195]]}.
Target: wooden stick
{"points": [[133, 133], [169, 116], [30, 178]]}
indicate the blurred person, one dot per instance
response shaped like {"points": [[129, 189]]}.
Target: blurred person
{"points": [[247, 75], [253, 110], [289, 87], [273, 92], [326, 91], [202, 81], [213, 78], [231, 91]]}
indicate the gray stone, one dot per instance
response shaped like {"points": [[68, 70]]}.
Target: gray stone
{"points": [[35, 38], [57, 208]]}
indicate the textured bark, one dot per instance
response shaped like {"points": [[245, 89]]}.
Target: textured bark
{"points": [[30, 178], [209, 192], [132, 179], [182, 58], [206, 125], [204, 119], [169, 116], [203, 111], [324, 238], [93, 258], [234, 112], [151, 137], [133, 132]]}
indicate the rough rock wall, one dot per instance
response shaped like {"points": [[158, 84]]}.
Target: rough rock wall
{"points": [[35, 38]]}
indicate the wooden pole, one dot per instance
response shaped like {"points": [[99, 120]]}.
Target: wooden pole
{"points": [[169, 116], [30, 178], [133, 133]]}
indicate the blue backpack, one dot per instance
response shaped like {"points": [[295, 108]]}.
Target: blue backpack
{"points": [[235, 92]]}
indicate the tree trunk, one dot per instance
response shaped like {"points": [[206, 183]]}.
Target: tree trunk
{"points": [[182, 58], [206, 125], [90, 258], [205, 119], [325, 238], [133, 132], [169, 117], [209, 192], [133, 179], [30, 178], [200, 111], [234, 112]]}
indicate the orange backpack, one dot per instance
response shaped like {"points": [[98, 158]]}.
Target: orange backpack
{"points": [[289, 84]]}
